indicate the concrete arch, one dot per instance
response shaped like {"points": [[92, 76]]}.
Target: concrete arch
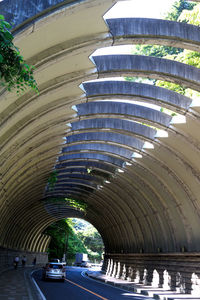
{"points": [[153, 203], [125, 109], [147, 66], [137, 91], [154, 31], [118, 125]]}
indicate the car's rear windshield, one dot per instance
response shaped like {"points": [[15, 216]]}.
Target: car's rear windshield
{"points": [[54, 266]]}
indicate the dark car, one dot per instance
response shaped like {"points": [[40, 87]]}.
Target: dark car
{"points": [[54, 271]]}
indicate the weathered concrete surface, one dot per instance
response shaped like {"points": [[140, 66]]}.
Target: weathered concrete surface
{"points": [[111, 88], [147, 66], [50, 43], [111, 149], [119, 108], [117, 125], [16, 12], [154, 31], [93, 156], [112, 137]]}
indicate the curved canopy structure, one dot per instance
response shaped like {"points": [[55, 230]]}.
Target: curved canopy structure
{"points": [[107, 139]]}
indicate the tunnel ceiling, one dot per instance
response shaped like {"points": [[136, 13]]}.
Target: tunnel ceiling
{"points": [[136, 168]]}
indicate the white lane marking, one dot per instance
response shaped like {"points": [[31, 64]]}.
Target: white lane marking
{"points": [[37, 287]]}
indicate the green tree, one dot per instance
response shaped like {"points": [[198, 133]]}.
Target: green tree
{"points": [[91, 239], [192, 58], [14, 71], [177, 8], [64, 239]]}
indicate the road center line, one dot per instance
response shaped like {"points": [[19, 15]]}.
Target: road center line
{"points": [[86, 289]]}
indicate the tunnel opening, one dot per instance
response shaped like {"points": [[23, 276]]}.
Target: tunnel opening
{"points": [[70, 236]]}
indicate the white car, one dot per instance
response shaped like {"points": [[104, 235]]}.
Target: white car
{"points": [[54, 271], [86, 264]]}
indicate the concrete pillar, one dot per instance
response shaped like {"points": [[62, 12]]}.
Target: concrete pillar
{"points": [[110, 266], [141, 275], [172, 281], [188, 283], [124, 272], [118, 275], [114, 272], [161, 279], [149, 277]]}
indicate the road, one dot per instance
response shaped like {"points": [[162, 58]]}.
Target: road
{"points": [[79, 287]]}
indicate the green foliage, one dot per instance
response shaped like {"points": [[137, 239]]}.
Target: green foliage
{"points": [[191, 18], [63, 239], [177, 9], [52, 180], [14, 71], [171, 86], [74, 236], [186, 56], [155, 50], [80, 204], [76, 203], [90, 237]]}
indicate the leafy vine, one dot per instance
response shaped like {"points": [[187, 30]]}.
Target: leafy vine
{"points": [[14, 71]]}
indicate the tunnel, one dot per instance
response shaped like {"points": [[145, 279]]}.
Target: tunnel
{"points": [[136, 167]]}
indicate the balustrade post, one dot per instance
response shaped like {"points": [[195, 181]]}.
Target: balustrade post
{"points": [[172, 281], [149, 277], [161, 279]]}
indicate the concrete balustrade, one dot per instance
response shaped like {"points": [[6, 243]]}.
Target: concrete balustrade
{"points": [[179, 272]]}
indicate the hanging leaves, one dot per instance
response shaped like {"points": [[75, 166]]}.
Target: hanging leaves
{"points": [[14, 71]]}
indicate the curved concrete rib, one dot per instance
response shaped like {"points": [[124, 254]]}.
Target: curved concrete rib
{"points": [[109, 137], [100, 148], [128, 127], [75, 181], [92, 156], [148, 66], [62, 178], [99, 177], [155, 31], [136, 91], [88, 164], [17, 13], [61, 210], [71, 186], [124, 109], [81, 170]]}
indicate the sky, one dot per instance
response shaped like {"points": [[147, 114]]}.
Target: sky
{"points": [[140, 8]]}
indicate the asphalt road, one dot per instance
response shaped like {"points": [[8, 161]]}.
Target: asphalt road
{"points": [[79, 287]]}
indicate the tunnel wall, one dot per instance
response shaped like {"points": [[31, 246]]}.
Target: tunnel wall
{"points": [[7, 257]]}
